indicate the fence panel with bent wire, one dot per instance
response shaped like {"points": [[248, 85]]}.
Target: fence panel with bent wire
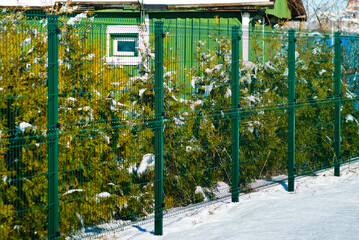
{"points": [[106, 111], [350, 91], [130, 94], [23, 126]]}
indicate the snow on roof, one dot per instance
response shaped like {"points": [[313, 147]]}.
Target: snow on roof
{"points": [[31, 3], [39, 3], [206, 2]]}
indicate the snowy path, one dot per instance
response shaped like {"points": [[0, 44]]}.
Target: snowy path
{"points": [[322, 207]]}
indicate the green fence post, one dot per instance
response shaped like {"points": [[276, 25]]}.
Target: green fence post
{"points": [[291, 110], [235, 114], [158, 128], [337, 95], [53, 116]]}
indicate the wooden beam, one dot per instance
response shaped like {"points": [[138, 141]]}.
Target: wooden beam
{"points": [[228, 5]]}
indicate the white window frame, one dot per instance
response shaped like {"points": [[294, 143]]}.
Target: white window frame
{"points": [[123, 39], [125, 29]]}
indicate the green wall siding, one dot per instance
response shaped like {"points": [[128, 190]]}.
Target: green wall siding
{"points": [[186, 29]]}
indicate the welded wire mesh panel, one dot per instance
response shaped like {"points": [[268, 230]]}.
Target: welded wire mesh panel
{"points": [[107, 121], [197, 105], [23, 126], [315, 106], [350, 106], [264, 104], [106, 110]]}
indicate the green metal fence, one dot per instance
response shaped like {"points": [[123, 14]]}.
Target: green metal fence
{"points": [[93, 140]]}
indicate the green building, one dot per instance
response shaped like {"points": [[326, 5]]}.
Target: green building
{"points": [[119, 22]]}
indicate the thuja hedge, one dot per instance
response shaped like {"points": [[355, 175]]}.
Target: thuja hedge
{"points": [[107, 115]]}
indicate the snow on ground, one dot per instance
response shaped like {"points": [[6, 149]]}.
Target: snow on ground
{"points": [[322, 207]]}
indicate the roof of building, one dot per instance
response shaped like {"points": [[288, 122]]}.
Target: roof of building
{"points": [[279, 7], [39, 3], [353, 5], [297, 9]]}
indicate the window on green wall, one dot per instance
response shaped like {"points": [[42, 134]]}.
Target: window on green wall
{"points": [[122, 44]]}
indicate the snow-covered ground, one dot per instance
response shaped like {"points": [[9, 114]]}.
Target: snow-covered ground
{"points": [[322, 207]]}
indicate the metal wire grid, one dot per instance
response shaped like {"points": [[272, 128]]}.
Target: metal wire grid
{"points": [[106, 137]]}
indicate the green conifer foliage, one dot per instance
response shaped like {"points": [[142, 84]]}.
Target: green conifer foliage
{"points": [[106, 112], [23, 127]]}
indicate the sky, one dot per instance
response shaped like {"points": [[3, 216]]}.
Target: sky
{"points": [[324, 4]]}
